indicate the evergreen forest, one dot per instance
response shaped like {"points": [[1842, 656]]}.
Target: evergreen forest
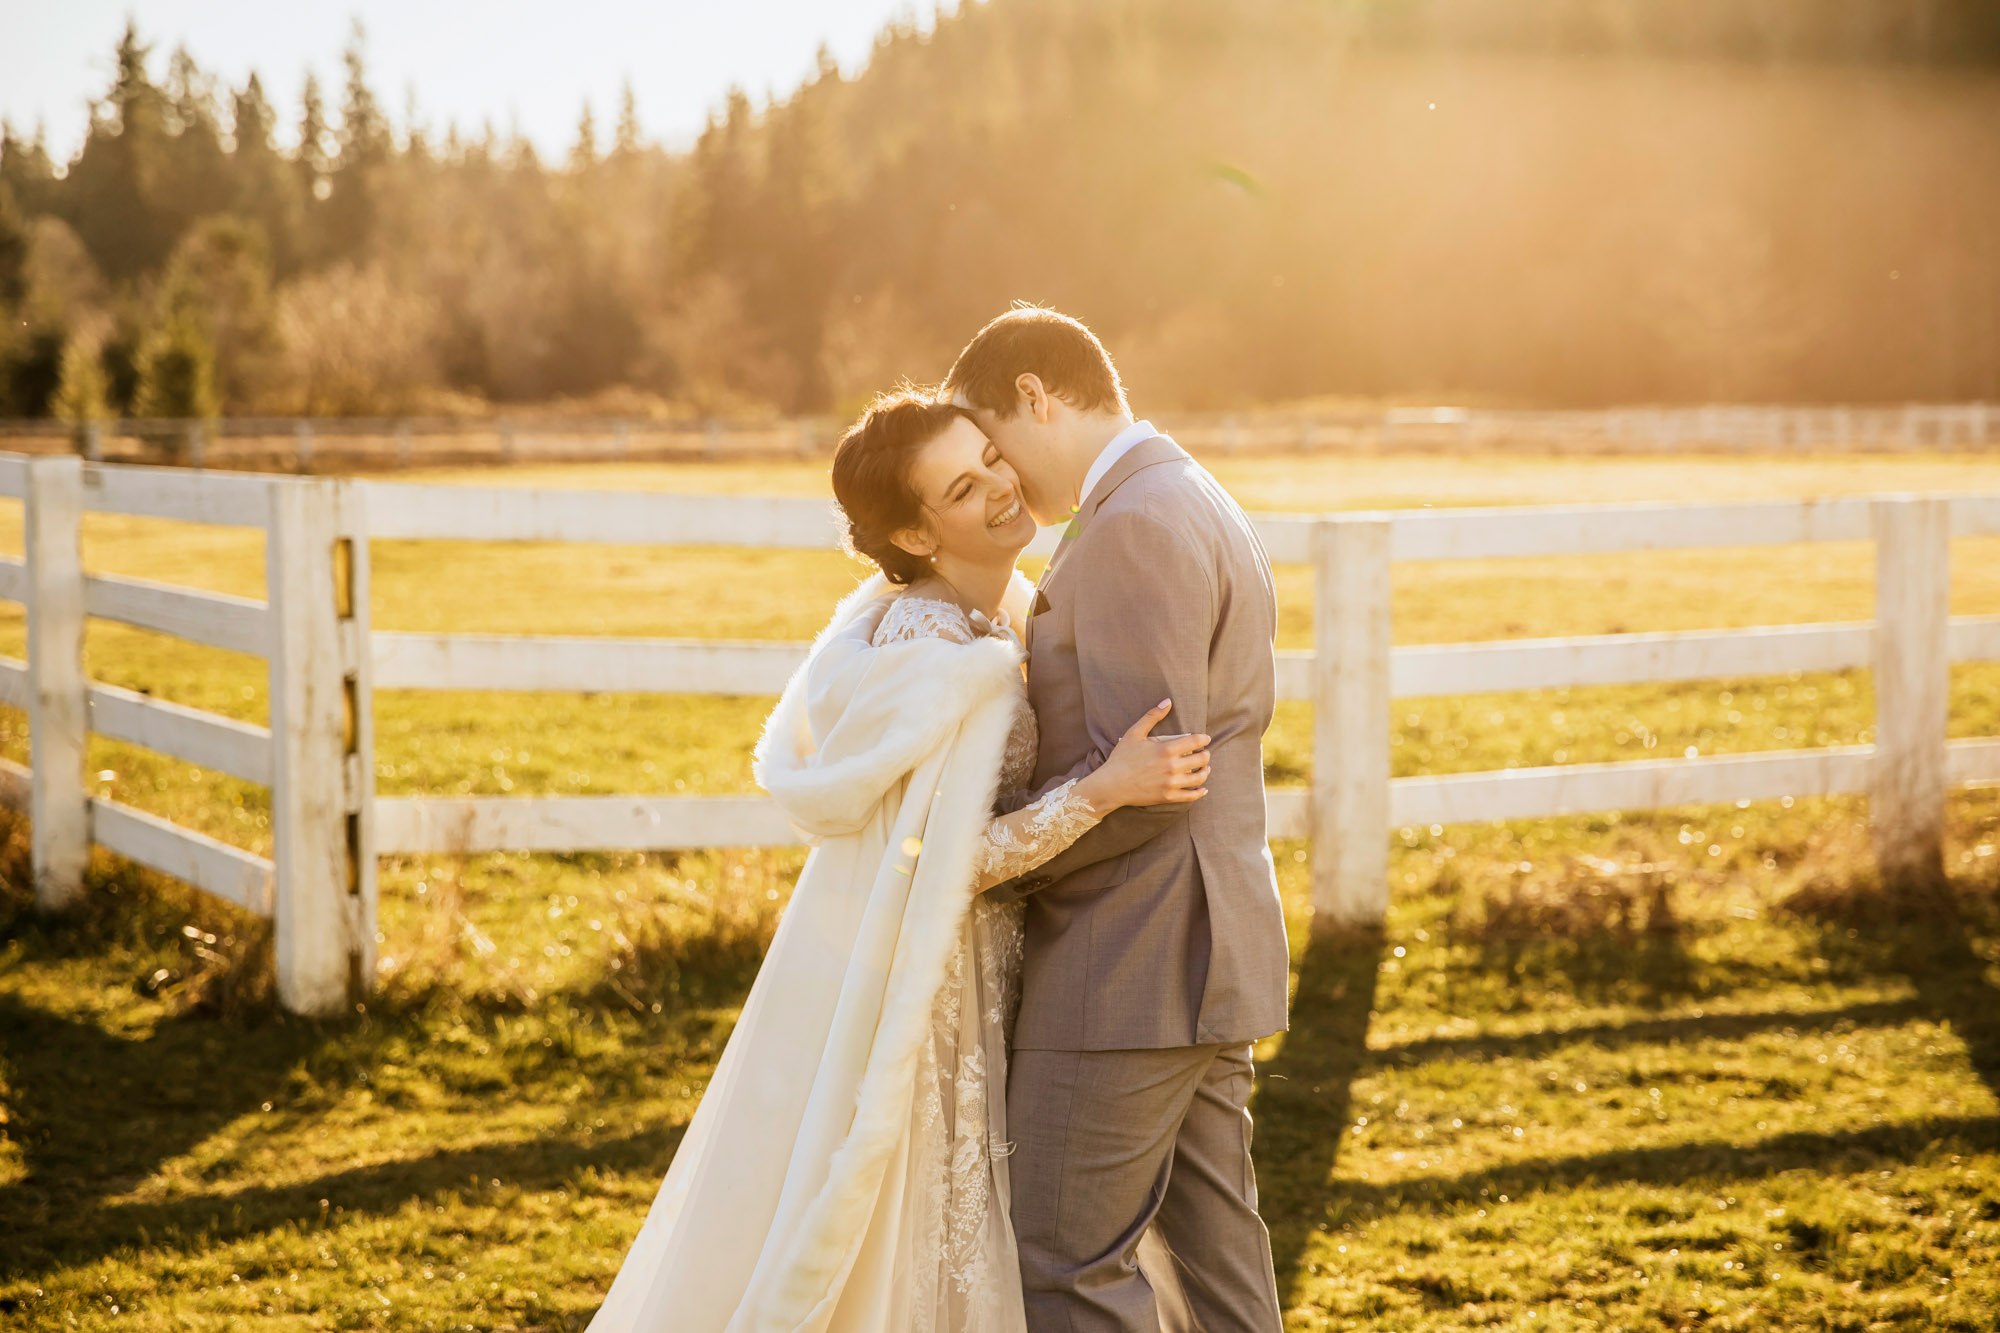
{"points": [[1571, 202]]}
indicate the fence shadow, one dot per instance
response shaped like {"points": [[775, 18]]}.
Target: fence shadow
{"points": [[1606, 936], [1927, 932], [96, 1112], [1303, 1100]]}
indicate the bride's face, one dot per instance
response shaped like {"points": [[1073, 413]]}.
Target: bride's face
{"points": [[972, 499]]}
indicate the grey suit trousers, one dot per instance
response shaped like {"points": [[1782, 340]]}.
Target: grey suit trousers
{"points": [[1113, 1148]]}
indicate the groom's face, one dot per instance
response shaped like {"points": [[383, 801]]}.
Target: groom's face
{"points": [[1026, 444]]}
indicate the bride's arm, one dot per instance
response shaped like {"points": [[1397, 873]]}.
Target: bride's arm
{"points": [[1015, 844], [1140, 770]]}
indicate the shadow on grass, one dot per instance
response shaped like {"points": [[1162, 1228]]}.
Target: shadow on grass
{"points": [[102, 1088], [1926, 932], [1677, 1164], [335, 1199], [1608, 932], [95, 1112], [1643, 1032], [1304, 1100], [1303, 1096]]}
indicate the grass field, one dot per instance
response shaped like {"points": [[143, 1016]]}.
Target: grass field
{"points": [[1670, 1069]]}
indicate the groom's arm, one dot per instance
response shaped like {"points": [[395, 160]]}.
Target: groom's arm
{"points": [[1145, 613]]}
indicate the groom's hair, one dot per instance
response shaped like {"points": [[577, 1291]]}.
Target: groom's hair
{"points": [[1028, 340]]}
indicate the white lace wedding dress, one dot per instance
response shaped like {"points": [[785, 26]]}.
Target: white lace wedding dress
{"points": [[966, 1276], [846, 1170]]}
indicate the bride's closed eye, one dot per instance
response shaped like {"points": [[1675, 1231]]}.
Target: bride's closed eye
{"points": [[962, 488]]}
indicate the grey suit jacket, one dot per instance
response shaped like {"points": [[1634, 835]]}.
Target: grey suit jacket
{"points": [[1161, 926]]}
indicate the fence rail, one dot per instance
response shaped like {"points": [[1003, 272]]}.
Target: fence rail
{"points": [[307, 444], [324, 663], [319, 884]]}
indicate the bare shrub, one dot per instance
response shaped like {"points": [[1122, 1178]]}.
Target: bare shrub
{"points": [[1587, 899], [692, 937], [354, 342]]}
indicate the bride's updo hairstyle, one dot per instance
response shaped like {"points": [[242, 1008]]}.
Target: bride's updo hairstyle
{"points": [[871, 477]]}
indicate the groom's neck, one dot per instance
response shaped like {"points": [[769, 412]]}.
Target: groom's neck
{"points": [[1088, 435]]}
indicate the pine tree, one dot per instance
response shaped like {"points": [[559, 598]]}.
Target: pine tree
{"points": [[196, 178], [113, 193], [583, 155], [31, 367], [177, 371], [264, 189], [81, 387], [220, 281], [25, 169], [629, 137], [366, 146], [13, 256], [311, 164]]}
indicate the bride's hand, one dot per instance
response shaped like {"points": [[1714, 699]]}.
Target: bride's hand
{"points": [[1149, 770]]}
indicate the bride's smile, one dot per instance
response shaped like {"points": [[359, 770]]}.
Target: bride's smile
{"points": [[973, 512]]}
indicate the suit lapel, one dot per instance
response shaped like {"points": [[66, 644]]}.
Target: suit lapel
{"points": [[1146, 453]]}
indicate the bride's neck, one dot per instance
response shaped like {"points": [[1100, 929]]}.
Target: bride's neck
{"points": [[975, 587]]}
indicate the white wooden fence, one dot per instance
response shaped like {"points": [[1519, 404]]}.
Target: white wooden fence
{"points": [[312, 628], [317, 755]]}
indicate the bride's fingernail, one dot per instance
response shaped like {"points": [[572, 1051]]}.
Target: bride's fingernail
{"points": [[1164, 703]]}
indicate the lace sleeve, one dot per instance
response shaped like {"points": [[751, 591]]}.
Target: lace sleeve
{"points": [[1017, 843], [924, 618]]}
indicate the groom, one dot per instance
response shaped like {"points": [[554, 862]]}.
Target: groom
{"points": [[1155, 944]]}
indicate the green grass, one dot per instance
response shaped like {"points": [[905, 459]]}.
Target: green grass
{"points": [[1670, 1069]]}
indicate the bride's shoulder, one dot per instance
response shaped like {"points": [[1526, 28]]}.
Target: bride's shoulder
{"points": [[915, 616]]}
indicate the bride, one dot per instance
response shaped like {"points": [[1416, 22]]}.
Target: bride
{"points": [[847, 1166]]}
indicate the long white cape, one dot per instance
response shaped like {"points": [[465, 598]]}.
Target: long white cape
{"points": [[888, 758]]}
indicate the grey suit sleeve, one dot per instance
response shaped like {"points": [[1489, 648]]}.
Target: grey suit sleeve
{"points": [[1145, 613]]}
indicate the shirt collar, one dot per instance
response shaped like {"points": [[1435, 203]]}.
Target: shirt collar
{"points": [[1121, 443]]}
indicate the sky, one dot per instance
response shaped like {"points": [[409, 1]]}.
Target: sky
{"points": [[516, 62]]}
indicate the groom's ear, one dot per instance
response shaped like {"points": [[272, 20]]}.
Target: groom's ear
{"points": [[1033, 398]]}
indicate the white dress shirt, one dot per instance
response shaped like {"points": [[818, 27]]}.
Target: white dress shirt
{"points": [[1121, 443]]}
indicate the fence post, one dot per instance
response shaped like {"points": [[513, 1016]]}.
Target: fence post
{"points": [[197, 444], [1912, 670], [58, 691], [304, 434], [1350, 764], [402, 444], [323, 780], [93, 440]]}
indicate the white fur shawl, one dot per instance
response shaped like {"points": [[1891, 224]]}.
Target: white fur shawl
{"points": [[856, 719], [888, 757]]}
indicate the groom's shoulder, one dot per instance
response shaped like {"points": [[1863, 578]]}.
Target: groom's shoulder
{"points": [[1171, 489]]}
